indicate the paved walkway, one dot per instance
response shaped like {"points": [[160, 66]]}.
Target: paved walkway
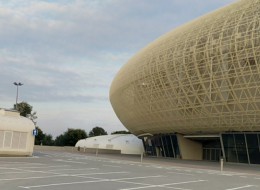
{"points": [[232, 167]]}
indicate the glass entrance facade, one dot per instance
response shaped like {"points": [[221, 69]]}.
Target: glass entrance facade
{"points": [[233, 147], [242, 147], [162, 145], [212, 150]]}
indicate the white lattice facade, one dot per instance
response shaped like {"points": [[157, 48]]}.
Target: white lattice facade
{"points": [[203, 77]]}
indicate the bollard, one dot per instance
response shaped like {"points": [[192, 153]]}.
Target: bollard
{"points": [[97, 152], [221, 164], [141, 157]]}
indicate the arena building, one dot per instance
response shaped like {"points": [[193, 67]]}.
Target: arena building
{"points": [[194, 93], [16, 134]]}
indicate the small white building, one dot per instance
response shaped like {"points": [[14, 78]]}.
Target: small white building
{"points": [[126, 143], [16, 138]]}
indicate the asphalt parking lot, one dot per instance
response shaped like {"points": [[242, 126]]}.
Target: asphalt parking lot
{"points": [[66, 171]]}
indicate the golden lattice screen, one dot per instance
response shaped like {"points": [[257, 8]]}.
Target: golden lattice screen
{"points": [[203, 77]]}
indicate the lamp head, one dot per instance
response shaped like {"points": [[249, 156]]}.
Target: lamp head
{"points": [[18, 84]]}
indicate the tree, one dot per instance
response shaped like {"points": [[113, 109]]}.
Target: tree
{"points": [[32, 117], [70, 137], [39, 137], [43, 138], [59, 141], [120, 132], [25, 110], [97, 131], [47, 140]]}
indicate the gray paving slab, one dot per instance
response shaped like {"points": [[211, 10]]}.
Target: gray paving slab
{"points": [[51, 170]]}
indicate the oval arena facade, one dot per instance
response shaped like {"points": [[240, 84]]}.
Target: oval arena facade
{"points": [[194, 93]]}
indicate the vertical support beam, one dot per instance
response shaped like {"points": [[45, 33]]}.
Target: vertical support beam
{"points": [[173, 150], [258, 140], [162, 145], [247, 149], [222, 147], [235, 144]]}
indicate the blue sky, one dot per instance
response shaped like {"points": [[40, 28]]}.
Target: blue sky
{"points": [[67, 52]]}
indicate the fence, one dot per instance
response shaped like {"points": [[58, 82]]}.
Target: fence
{"points": [[76, 149]]}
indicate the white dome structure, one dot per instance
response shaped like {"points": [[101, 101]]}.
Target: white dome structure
{"points": [[16, 138], [126, 143]]}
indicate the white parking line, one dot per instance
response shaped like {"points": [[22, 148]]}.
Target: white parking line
{"points": [[82, 182], [13, 172], [20, 157], [226, 174], [207, 171], [131, 182], [48, 156], [216, 172], [180, 173], [25, 178], [59, 160], [176, 188], [22, 163], [137, 177], [37, 167], [73, 169], [33, 171], [105, 173], [242, 187], [59, 184], [150, 185], [21, 168], [163, 185], [113, 166]]}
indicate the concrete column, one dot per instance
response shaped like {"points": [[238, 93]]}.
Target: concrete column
{"points": [[189, 149]]}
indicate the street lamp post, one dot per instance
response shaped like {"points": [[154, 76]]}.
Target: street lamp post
{"points": [[17, 84]]}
